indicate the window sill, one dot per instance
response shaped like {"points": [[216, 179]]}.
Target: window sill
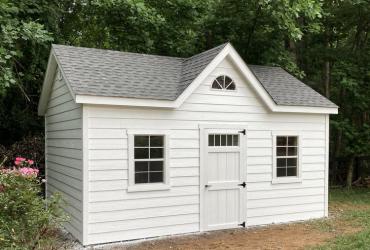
{"points": [[147, 187], [283, 180]]}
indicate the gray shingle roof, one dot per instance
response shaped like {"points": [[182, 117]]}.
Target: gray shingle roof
{"points": [[113, 73], [100, 72], [285, 89]]}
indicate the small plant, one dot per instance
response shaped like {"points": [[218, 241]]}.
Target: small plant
{"points": [[27, 220]]}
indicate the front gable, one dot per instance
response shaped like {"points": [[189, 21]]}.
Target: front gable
{"points": [[234, 58], [242, 99]]}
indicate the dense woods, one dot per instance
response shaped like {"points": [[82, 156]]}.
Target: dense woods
{"points": [[324, 43]]}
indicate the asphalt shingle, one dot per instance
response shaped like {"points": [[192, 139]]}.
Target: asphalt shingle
{"points": [[99, 72], [285, 89]]}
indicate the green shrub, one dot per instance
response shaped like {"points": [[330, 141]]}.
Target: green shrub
{"points": [[26, 219]]}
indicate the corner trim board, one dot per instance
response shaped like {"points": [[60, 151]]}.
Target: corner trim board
{"points": [[85, 175]]}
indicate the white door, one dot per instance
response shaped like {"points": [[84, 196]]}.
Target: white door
{"points": [[224, 180]]}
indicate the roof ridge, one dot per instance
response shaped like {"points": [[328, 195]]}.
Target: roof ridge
{"points": [[142, 54], [221, 46], [117, 51], [265, 66], [194, 65]]}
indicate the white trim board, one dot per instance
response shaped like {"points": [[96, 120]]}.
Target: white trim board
{"points": [[85, 174]]}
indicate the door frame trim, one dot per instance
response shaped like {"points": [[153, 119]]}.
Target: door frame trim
{"points": [[203, 127]]}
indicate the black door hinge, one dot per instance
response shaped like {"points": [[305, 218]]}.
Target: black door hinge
{"points": [[243, 184], [242, 224], [243, 131]]}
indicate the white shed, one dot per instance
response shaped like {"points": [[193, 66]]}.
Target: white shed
{"points": [[143, 145]]}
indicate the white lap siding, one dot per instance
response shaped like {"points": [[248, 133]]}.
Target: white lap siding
{"points": [[63, 133], [115, 214]]}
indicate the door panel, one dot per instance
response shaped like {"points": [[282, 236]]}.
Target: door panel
{"points": [[223, 208], [223, 170]]}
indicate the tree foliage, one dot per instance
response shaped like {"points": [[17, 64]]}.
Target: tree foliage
{"points": [[26, 31], [325, 43], [17, 31]]}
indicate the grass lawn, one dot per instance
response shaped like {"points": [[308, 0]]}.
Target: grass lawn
{"points": [[349, 208]]}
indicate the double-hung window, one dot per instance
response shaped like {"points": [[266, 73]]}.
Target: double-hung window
{"points": [[286, 158], [148, 164], [149, 158]]}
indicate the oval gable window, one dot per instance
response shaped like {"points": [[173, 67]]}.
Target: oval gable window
{"points": [[223, 82]]}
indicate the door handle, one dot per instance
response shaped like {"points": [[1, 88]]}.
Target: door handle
{"points": [[207, 186], [243, 184]]}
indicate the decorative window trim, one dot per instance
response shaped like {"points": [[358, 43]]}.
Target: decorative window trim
{"points": [[132, 187], [289, 179], [223, 88]]}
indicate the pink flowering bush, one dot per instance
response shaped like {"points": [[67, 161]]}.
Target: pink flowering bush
{"points": [[26, 219], [22, 167]]}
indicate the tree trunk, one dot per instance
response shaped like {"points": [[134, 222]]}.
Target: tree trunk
{"points": [[327, 78], [337, 147], [293, 49], [253, 28], [327, 64], [350, 169]]}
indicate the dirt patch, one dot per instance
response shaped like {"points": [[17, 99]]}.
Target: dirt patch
{"points": [[273, 237], [287, 236]]}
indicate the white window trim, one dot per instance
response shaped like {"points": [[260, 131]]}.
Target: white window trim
{"points": [[132, 187], [293, 179]]}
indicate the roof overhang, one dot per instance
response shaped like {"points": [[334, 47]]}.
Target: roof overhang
{"points": [[119, 101], [228, 50], [122, 101], [47, 86]]}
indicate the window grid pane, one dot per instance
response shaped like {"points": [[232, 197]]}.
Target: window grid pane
{"points": [[281, 172], [156, 141], [292, 151], [211, 140], [281, 140], [148, 158], [235, 140], [223, 140], [141, 177], [292, 140], [217, 140], [224, 83], [286, 156], [229, 140], [141, 141], [231, 86], [141, 166], [141, 153]]}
